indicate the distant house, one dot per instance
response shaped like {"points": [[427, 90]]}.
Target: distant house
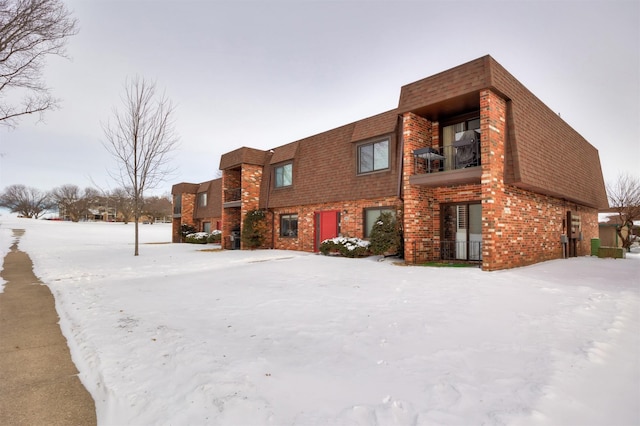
{"points": [[473, 165], [608, 230]]}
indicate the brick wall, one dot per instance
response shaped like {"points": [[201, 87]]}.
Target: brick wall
{"points": [[351, 220], [419, 219], [519, 227], [188, 205]]}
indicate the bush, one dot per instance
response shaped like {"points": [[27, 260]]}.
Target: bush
{"points": [[215, 237], [348, 247], [186, 229], [197, 238], [254, 229], [385, 235]]}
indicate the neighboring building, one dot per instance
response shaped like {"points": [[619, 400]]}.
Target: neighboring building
{"points": [[474, 166], [198, 205], [609, 226]]}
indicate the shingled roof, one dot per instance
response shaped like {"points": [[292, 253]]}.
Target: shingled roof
{"points": [[544, 154]]}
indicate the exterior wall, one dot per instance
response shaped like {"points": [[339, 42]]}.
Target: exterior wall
{"points": [[186, 216], [520, 227], [530, 227], [419, 220], [493, 145], [231, 215], [251, 177], [351, 220]]}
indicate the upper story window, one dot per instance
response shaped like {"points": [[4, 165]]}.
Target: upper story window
{"points": [[202, 199], [373, 156], [177, 204], [284, 175]]}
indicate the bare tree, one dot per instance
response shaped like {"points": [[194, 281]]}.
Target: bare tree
{"points": [[74, 203], [141, 137], [123, 203], [157, 208], [624, 199], [26, 201], [30, 30]]}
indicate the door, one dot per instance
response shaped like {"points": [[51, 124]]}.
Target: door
{"points": [[461, 232], [327, 225]]}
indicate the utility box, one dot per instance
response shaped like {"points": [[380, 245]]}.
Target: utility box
{"points": [[595, 246], [235, 240]]}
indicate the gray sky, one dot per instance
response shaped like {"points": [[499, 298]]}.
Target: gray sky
{"points": [[266, 73]]}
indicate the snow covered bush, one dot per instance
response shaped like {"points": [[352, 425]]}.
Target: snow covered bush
{"points": [[203, 237], [186, 229], [348, 247], [215, 236], [197, 238]]}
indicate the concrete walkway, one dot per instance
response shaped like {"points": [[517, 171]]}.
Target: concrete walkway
{"points": [[39, 383]]}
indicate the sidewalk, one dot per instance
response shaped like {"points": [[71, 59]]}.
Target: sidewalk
{"points": [[39, 383]]}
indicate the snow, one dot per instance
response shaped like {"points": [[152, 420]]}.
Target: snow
{"points": [[182, 336]]}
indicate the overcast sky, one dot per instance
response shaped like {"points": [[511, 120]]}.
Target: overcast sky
{"points": [[262, 74]]}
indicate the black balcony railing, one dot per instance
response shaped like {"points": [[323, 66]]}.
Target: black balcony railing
{"points": [[232, 195], [461, 250], [448, 250], [445, 158]]}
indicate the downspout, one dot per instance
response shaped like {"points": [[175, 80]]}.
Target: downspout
{"points": [[266, 206], [401, 157]]}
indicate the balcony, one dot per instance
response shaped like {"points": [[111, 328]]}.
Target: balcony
{"points": [[455, 164], [232, 197]]}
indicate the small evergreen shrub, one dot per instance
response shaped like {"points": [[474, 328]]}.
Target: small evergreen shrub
{"points": [[186, 229], [385, 235], [347, 247], [254, 229]]}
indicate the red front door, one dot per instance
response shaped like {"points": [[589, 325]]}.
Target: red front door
{"points": [[326, 226]]}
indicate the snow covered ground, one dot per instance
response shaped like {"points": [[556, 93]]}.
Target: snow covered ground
{"points": [[181, 336]]}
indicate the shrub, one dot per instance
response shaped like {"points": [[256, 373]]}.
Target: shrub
{"points": [[385, 235], [196, 238], [254, 229], [186, 229], [215, 237], [348, 247]]}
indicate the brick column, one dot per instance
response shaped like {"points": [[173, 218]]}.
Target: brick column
{"points": [[493, 136], [417, 218], [251, 178]]}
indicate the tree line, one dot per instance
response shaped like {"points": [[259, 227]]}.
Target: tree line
{"points": [[76, 204]]}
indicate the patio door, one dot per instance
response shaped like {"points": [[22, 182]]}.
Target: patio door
{"points": [[462, 232], [327, 225]]}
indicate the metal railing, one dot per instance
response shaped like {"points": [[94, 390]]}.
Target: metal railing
{"points": [[445, 158], [232, 194], [449, 250]]}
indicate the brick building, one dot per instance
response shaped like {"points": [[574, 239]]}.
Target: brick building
{"points": [[198, 205], [474, 166]]}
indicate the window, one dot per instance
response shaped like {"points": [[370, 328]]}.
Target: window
{"points": [[370, 217], [202, 199], [284, 175], [373, 156], [177, 204], [206, 227], [289, 225]]}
